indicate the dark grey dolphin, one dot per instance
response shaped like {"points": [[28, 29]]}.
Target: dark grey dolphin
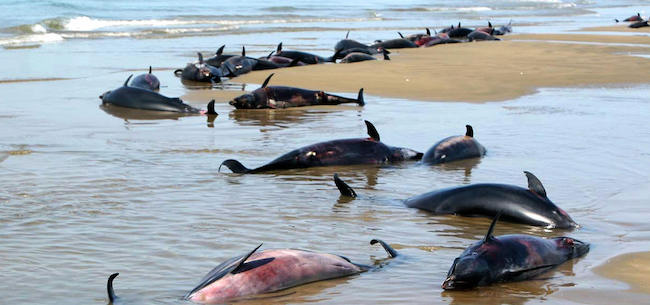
{"points": [[398, 43], [218, 58], [346, 44], [337, 152], [139, 98], [509, 258], [459, 32], [199, 72], [528, 206], [454, 148], [502, 30], [305, 57], [480, 35], [274, 97], [358, 56], [146, 81]]}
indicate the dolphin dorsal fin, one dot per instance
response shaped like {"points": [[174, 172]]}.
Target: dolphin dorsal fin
{"points": [[372, 131], [400, 35], [126, 83], [489, 24], [200, 57], [243, 51], [488, 235], [220, 50], [347, 35], [279, 48], [266, 81], [428, 32], [459, 24], [470, 131], [243, 260], [534, 185], [149, 69]]}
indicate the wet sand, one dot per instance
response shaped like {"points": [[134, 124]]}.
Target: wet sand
{"points": [[631, 268], [621, 27], [475, 72]]}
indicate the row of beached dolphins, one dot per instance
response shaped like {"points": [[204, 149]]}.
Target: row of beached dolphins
{"points": [[493, 259], [143, 94]]}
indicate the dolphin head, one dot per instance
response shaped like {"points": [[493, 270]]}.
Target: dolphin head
{"points": [[468, 271], [402, 154], [246, 101], [572, 247]]}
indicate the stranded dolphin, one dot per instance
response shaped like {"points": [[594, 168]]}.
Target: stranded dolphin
{"points": [[528, 206], [144, 99], [305, 57], [273, 270], [337, 152], [284, 97], [146, 81], [200, 72], [510, 258], [454, 148]]}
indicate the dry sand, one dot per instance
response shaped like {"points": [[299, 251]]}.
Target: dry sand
{"points": [[473, 72]]}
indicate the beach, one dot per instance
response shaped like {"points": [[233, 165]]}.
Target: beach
{"points": [[89, 190]]}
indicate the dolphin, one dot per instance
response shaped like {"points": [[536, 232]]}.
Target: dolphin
{"points": [[527, 206], [146, 81], [138, 98], [285, 97], [510, 258], [337, 152], [454, 148], [273, 270]]}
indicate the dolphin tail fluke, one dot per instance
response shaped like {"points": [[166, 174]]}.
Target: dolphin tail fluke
{"points": [[616, 20], [109, 288], [391, 252], [343, 187], [385, 53], [400, 35], [235, 166], [360, 99], [178, 72]]}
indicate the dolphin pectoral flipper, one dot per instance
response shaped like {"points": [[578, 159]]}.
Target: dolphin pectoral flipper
{"points": [[343, 187], [109, 288], [243, 260], [235, 166], [514, 275], [534, 185], [372, 131], [391, 252]]}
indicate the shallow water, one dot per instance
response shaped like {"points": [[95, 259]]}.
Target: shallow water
{"points": [[85, 192]]}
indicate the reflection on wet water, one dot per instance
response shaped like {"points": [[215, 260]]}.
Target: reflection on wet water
{"points": [[93, 197]]}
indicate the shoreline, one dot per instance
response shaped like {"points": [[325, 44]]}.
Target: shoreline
{"points": [[475, 72]]}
